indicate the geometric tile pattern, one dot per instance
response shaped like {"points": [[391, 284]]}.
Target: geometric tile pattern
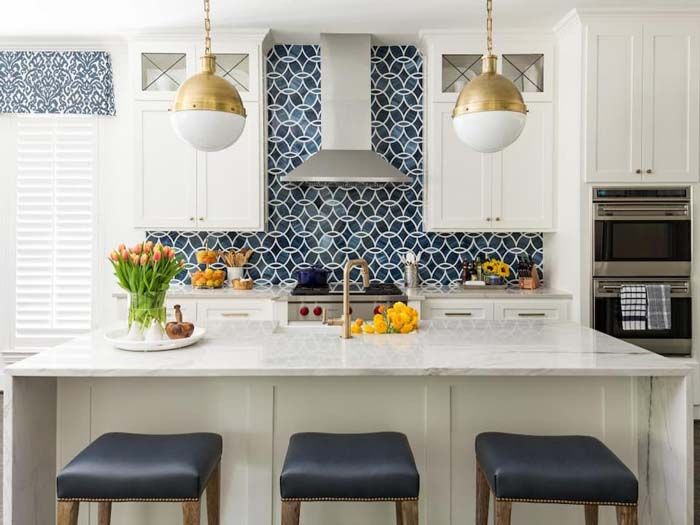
{"points": [[327, 224]]}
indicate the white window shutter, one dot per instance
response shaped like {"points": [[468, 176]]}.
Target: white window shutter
{"points": [[55, 226]]}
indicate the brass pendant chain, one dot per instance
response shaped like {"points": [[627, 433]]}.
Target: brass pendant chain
{"points": [[207, 29], [489, 26]]}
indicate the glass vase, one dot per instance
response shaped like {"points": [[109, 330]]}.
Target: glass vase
{"points": [[146, 307]]}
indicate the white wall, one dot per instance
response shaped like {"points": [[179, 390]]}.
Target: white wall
{"points": [[565, 263]]}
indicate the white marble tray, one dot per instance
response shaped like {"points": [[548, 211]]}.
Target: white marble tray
{"points": [[118, 339]]}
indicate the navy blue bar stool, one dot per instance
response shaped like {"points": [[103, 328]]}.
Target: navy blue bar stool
{"points": [[575, 470], [350, 467], [119, 467]]}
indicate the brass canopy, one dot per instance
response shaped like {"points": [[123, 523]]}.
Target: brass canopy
{"points": [[208, 91], [489, 92]]}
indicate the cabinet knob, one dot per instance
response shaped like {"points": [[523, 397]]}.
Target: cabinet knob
{"points": [[498, 218], [191, 218], [488, 218], [201, 218], [638, 171], [650, 171]]}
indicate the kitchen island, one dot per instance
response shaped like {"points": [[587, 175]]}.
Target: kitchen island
{"points": [[256, 383]]}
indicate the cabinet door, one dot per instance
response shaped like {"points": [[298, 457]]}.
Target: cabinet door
{"points": [[522, 182], [166, 170], [671, 96], [458, 179], [613, 102], [230, 182], [160, 67]]}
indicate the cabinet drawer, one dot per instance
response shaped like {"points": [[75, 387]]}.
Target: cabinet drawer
{"points": [[509, 310], [220, 310], [457, 309]]}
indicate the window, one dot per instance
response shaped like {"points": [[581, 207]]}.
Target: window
{"points": [[55, 211]]}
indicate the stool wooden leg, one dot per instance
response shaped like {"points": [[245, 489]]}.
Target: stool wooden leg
{"points": [[502, 511], [408, 512], [191, 512], [214, 496], [67, 512], [626, 515], [104, 513], [290, 512], [591, 514], [483, 495]]}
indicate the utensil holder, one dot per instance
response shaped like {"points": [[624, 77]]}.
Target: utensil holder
{"points": [[410, 276]]}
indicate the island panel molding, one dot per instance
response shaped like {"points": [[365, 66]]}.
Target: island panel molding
{"points": [[328, 224]]}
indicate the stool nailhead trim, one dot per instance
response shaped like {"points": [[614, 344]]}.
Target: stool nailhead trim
{"points": [[349, 499], [566, 502], [125, 500]]}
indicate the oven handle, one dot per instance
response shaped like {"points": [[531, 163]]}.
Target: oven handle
{"points": [[613, 290], [606, 212]]}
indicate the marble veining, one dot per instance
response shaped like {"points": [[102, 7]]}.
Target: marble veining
{"points": [[450, 347]]}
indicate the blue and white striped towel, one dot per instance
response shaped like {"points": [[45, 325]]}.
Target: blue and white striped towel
{"points": [[633, 303], [658, 306]]}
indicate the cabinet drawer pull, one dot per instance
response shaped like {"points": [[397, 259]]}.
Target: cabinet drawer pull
{"points": [[650, 171], [532, 314], [498, 218], [191, 218], [201, 218], [638, 171], [488, 218], [458, 314], [235, 314]]}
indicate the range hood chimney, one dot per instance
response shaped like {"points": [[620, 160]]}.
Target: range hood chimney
{"points": [[346, 120]]}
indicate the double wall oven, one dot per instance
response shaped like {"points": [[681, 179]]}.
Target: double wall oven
{"points": [[643, 236]]}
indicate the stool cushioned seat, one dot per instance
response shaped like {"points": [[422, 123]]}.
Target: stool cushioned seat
{"points": [[140, 467], [576, 469], [376, 466]]}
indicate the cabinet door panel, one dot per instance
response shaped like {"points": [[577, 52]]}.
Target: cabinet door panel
{"points": [[522, 194], [230, 182], [458, 179], [166, 168], [671, 92], [614, 102]]}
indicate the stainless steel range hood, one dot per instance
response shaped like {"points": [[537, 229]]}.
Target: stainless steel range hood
{"points": [[346, 149]]}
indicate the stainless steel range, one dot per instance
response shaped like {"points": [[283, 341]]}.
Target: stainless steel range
{"points": [[308, 303]]}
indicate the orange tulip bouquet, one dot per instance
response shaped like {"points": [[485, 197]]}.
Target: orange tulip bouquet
{"points": [[145, 271]]}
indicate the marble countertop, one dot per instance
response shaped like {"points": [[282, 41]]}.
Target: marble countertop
{"points": [[281, 293], [439, 348]]}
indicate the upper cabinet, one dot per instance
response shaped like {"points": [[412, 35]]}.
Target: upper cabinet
{"points": [[506, 191], [176, 185], [642, 95]]}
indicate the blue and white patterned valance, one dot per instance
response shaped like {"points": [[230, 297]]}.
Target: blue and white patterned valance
{"points": [[71, 82]]}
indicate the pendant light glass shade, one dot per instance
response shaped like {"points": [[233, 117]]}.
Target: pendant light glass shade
{"points": [[490, 113]]}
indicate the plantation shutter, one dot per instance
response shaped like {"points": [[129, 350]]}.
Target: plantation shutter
{"points": [[55, 232]]}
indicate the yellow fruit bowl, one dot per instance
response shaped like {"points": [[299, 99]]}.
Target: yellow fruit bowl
{"points": [[398, 319], [208, 278]]}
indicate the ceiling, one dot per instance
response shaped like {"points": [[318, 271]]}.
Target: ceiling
{"points": [[293, 19]]}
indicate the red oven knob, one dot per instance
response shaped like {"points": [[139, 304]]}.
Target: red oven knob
{"points": [[304, 311], [318, 311]]}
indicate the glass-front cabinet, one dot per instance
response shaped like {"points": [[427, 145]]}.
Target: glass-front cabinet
{"points": [[452, 60]]}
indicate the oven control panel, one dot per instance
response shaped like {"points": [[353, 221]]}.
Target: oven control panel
{"points": [[313, 311]]}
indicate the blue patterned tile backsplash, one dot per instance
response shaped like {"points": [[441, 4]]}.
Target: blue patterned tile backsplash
{"points": [[327, 224]]}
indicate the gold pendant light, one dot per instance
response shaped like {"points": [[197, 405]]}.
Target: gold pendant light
{"points": [[490, 113], [208, 112]]}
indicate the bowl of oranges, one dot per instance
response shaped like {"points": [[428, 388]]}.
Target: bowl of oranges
{"points": [[208, 278], [398, 319]]}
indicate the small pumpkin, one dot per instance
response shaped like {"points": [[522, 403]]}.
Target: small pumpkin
{"points": [[179, 329]]}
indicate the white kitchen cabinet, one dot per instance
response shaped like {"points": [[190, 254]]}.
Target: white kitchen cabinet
{"points": [[457, 309], [509, 190], [506, 191], [177, 186], [513, 309], [642, 91], [165, 185], [458, 179], [237, 309]]}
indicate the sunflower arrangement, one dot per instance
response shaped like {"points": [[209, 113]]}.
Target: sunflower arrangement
{"points": [[496, 267]]}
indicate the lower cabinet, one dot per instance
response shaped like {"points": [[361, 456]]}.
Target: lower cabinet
{"points": [[508, 309], [203, 311]]}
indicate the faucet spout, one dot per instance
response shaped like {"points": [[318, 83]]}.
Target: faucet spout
{"points": [[346, 319]]}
